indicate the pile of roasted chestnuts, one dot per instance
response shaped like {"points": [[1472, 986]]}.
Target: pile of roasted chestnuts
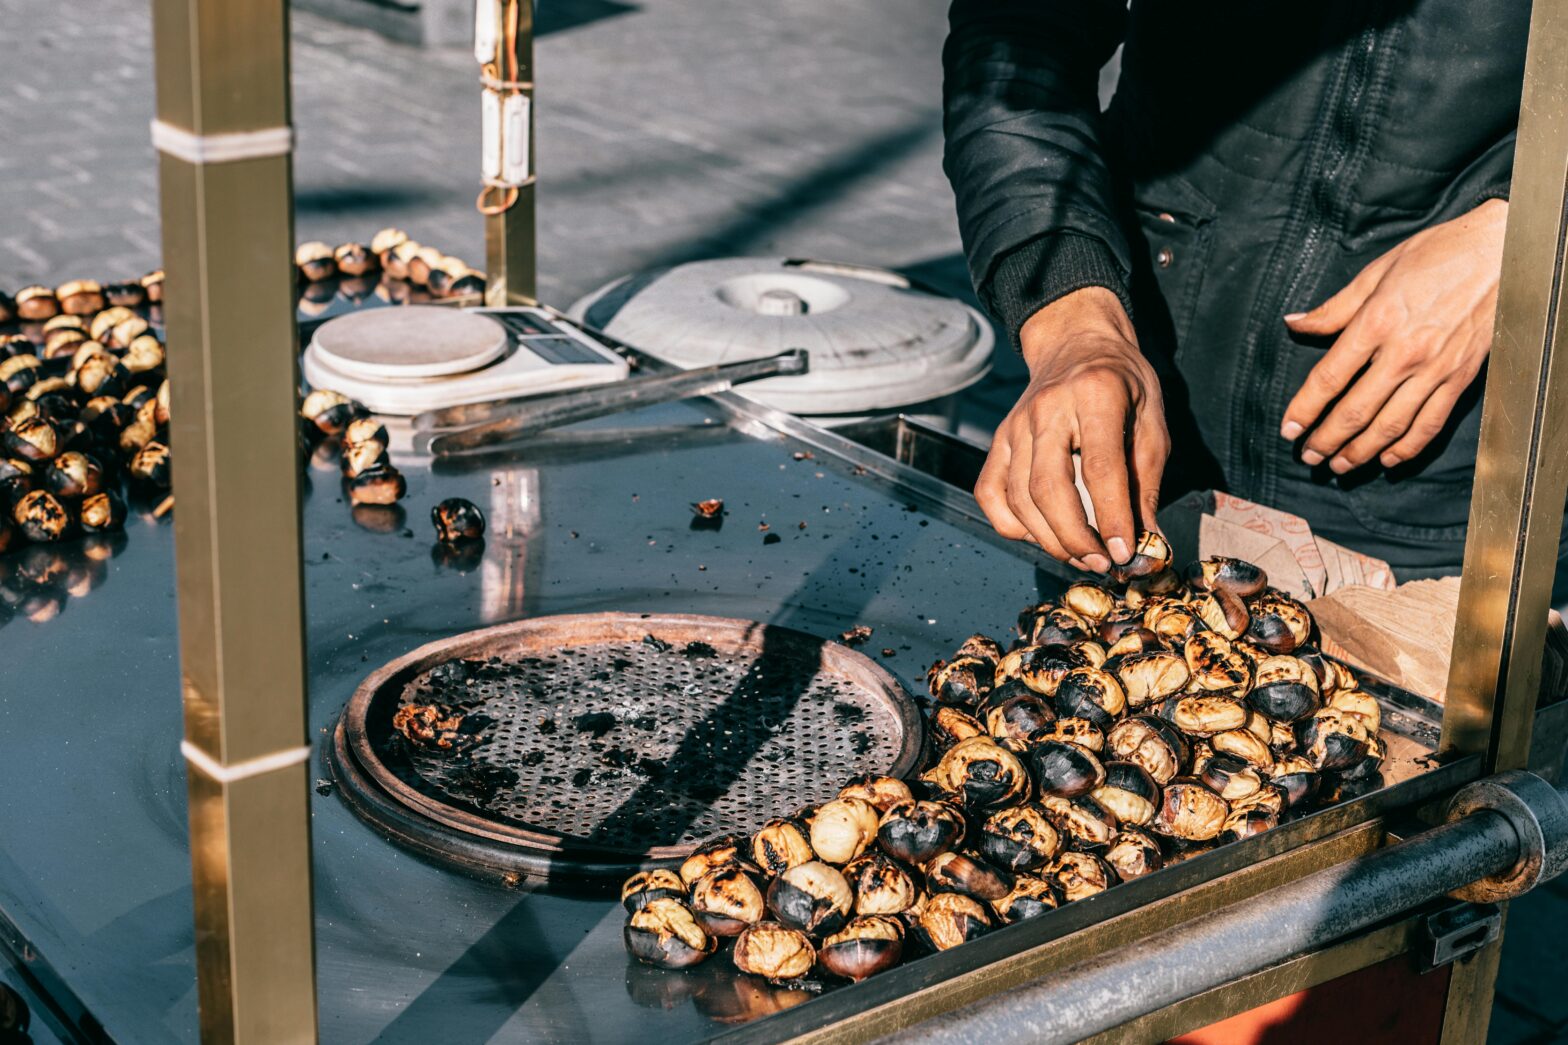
{"points": [[1124, 730], [392, 266]]}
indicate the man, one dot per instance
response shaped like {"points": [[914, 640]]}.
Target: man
{"points": [[1269, 267]]}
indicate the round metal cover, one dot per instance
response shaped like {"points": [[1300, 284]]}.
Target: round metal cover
{"points": [[606, 742], [419, 341]]}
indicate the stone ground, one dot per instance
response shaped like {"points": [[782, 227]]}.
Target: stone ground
{"points": [[668, 130]]}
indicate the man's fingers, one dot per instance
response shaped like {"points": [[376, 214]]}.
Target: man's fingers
{"points": [[991, 491], [1352, 414], [1023, 506], [1426, 426], [1151, 447], [1102, 451], [1387, 428], [1055, 495], [1334, 314], [1328, 379]]}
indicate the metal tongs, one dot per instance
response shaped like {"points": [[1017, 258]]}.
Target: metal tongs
{"points": [[506, 420]]}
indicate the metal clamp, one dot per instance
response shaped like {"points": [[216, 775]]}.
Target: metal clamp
{"points": [[1538, 814], [1459, 930]]}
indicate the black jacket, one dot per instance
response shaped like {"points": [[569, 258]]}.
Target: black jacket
{"points": [[1254, 158]]}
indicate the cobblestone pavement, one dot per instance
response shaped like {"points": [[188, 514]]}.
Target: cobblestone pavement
{"points": [[668, 130]]}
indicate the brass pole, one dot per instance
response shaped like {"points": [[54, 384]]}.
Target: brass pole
{"points": [[1521, 475], [510, 264], [227, 197]]}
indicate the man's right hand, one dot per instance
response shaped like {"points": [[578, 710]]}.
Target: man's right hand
{"points": [[1090, 391]]}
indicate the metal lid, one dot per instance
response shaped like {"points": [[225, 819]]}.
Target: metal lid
{"points": [[876, 341], [411, 342]]}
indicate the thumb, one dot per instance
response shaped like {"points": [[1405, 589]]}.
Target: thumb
{"points": [[1334, 314]]}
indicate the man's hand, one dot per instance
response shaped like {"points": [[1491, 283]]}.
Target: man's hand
{"points": [[1417, 325], [1090, 391]]}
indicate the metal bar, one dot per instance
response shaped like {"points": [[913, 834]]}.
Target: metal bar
{"points": [[1521, 475], [1310, 913], [510, 262], [222, 75]]}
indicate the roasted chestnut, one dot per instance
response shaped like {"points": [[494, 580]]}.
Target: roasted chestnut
{"points": [[1119, 625], [1150, 742], [1041, 668], [20, 372], [314, 260], [1362, 705], [1081, 819], [1143, 590], [1203, 714], [364, 457], [1015, 719], [1151, 555], [1214, 665], [1091, 651], [1020, 838], [1279, 623], [1077, 876], [101, 374], [355, 259], [949, 919], [665, 933], [981, 646], [1285, 689], [1234, 576], [1244, 823], [916, 832], [1065, 770], [864, 947], [1230, 777], [16, 479], [386, 239], [80, 297], [842, 829], [881, 884], [1047, 625], [963, 681], [1072, 730], [1331, 739], [1090, 602], [379, 486], [33, 439], [457, 520], [884, 792], [331, 411], [949, 725], [436, 726], [781, 844], [981, 773], [1245, 745], [1223, 612], [726, 900], [73, 475], [151, 465], [1029, 898], [644, 887], [718, 851], [811, 897], [1093, 694], [35, 303], [1190, 811], [469, 283], [954, 872], [41, 517], [365, 430], [1134, 854], [1174, 622], [130, 294], [1269, 798], [1150, 677], [1129, 793], [152, 282]]}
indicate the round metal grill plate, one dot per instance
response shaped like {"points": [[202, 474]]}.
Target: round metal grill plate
{"points": [[624, 739]]}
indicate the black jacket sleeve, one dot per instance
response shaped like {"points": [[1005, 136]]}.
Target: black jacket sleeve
{"points": [[1022, 121]]}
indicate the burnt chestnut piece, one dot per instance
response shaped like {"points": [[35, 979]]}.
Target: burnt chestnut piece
{"points": [[1129, 793], [102, 374], [1203, 714], [314, 260], [954, 872], [644, 887], [1133, 855], [1119, 625], [982, 773], [423, 262], [949, 919], [1333, 739], [468, 283], [331, 411], [355, 259], [19, 373], [1245, 745], [396, 260], [1091, 693], [718, 851], [80, 297], [380, 486], [1081, 819], [1150, 742], [1285, 688], [1072, 730], [1065, 770], [1362, 705], [130, 294], [950, 725], [73, 475], [1143, 590], [1052, 625], [982, 646], [963, 681], [726, 900], [152, 282], [1230, 777], [35, 303], [1174, 622], [34, 440], [1223, 612], [1090, 601], [385, 239], [1078, 876], [1091, 651], [917, 832], [41, 517], [884, 792], [1233, 576], [365, 430], [1190, 811], [457, 520], [1269, 798], [811, 897], [1244, 823], [1215, 665], [881, 885], [16, 479], [1041, 668], [1030, 897], [1015, 719], [1148, 678], [864, 947], [1021, 838], [665, 933], [842, 829], [1279, 623], [151, 465], [780, 845], [364, 457], [1152, 555]]}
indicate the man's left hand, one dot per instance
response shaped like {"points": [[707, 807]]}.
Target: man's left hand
{"points": [[1414, 329]]}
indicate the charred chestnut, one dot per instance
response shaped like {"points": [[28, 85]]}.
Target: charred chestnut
{"points": [[1080, 819], [1013, 720], [152, 282], [457, 520], [314, 261], [1223, 612], [644, 887], [1150, 742], [151, 465], [811, 897], [1245, 745], [1279, 623], [1091, 651], [1047, 625], [954, 872], [1332, 739], [80, 297], [949, 919], [35, 303], [331, 411], [1129, 793], [1152, 555], [1072, 730], [364, 457], [718, 851], [19, 373], [950, 725], [365, 430], [1093, 694], [917, 832], [1078, 876], [1190, 811], [16, 479], [1065, 770], [982, 646], [379, 486], [780, 845], [1030, 897], [1362, 705], [41, 517], [726, 900], [130, 294], [1234, 576], [1148, 678], [1021, 838], [881, 885], [1041, 668], [864, 947], [665, 933], [33, 439], [1133, 855], [883, 792], [1244, 823], [355, 259], [1269, 798], [1285, 689], [963, 681], [1089, 601], [102, 374], [73, 475], [1230, 777], [982, 773], [842, 829], [1174, 622], [1141, 591], [1214, 665], [1203, 715]]}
